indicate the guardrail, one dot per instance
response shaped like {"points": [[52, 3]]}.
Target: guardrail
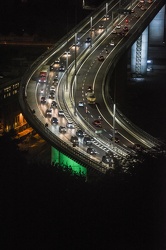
{"points": [[54, 140]]}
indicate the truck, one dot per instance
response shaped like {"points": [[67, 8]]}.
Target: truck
{"points": [[91, 99], [44, 72]]}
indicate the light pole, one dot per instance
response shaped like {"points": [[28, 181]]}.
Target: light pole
{"points": [[112, 17], [114, 114], [91, 31], [114, 109], [106, 13], [67, 54], [75, 79]]}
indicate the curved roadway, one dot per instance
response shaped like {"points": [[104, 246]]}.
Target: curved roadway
{"points": [[83, 69]]}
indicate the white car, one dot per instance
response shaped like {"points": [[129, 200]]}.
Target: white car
{"points": [[70, 125], [52, 88], [112, 43], [80, 104], [60, 113], [118, 26]]}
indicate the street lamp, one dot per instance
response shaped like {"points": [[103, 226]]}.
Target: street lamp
{"points": [[75, 78], [114, 108], [91, 31], [106, 12], [67, 54], [114, 114]]}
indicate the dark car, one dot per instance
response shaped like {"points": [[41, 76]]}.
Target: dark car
{"points": [[62, 68], [80, 133], [101, 58], [101, 26], [125, 29], [87, 140], [91, 151], [52, 95], [116, 139], [88, 40], [54, 121], [54, 104], [97, 123], [74, 140], [62, 129], [106, 159], [43, 100], [48, 112]]}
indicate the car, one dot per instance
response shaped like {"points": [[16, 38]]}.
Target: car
{"points": [[142, 1], [106, 16], [80, 133], [54, 121], [48, 112], [55, 82], [101, 26], [62, 68], [75, 44], [80, 104], [150, 1], [57, 61], [88, 40], [89, 89], [60, 113], [143, 8], [137, 147], [51, 95], [70, 125], [67, 53], [116, 139], [62, 129], [74, 140], [121, 33], [112, 43], [54, 104], [139, 5], [125, 28], [42, 91], [43, 100], [106, 159], [91, 151], [101, 58], [114, 32], [52, 88], [132, 11], [118, 26], [97, 123], [51, 67], [87, 140]]}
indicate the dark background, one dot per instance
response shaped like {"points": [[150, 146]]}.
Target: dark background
{"points": [[44, 208]]}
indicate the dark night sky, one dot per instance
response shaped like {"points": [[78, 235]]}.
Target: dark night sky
{"points": [[41, 16]]}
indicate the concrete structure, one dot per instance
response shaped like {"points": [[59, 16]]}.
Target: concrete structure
{"points": [[153, 35]]}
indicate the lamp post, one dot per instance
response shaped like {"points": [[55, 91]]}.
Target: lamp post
{"points": [[75, 78], [91, 31], [114, 109], [67, 54], [112, 19], [106, 12], [114, 114]]}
